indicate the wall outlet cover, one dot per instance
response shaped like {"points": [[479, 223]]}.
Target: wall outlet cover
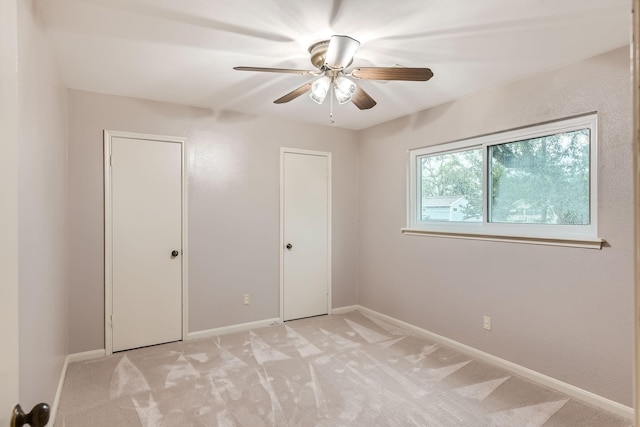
{"points": [[486, 322]]}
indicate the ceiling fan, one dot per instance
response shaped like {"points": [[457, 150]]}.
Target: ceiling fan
{"points": [[331, 58]]}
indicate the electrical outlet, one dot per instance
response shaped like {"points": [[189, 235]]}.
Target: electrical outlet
{"points": [[245, 299], [486, 322]]}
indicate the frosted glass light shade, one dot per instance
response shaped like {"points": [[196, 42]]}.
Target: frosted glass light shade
{"points": [[319, 89], [344, 89]]}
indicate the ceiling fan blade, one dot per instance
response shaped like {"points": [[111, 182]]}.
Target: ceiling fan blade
{"points": [[277, 70], [340, 52], [392, 73], [362, 100], [294, 94]]}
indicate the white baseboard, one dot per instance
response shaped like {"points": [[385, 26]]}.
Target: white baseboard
{"points": [[75, 357], [86, 355], [573, 391], [345, 309], [232, 328]]}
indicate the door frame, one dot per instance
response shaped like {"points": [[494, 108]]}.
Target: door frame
{"points": [[283, 151], [635, 68], [9, 281], [108, 236]]}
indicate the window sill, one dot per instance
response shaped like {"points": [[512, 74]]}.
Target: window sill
{"points": [[574, 243]]}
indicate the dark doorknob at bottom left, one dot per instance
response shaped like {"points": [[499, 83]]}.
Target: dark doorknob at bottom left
{"points": [[38, 417], [289, 246], [175, 253]]}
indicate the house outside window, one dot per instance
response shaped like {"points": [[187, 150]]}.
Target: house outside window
{"points": [[446, 208]]}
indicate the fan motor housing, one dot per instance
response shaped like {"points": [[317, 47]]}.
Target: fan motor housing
{"points": [[318, 53]]}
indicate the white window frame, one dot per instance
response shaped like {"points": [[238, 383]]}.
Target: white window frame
{"points": [[554, 234]]}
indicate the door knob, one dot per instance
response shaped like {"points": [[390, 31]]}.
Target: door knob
{"points": [[289, 246], [175, 253], [38, 417]]}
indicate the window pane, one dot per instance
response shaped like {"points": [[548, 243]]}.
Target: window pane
{"points": [[542, 180], [451, 186]]}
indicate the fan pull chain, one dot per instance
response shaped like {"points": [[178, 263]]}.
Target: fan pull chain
{"points": [[331, 90]]}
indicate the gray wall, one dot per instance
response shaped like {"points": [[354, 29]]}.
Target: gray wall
{"points": [[564, 312], [42, 209], [233, 191]]}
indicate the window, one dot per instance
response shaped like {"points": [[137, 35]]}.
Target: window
{"points": [[537, 182]]}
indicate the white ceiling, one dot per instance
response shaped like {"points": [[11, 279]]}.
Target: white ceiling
{"points": [[184, 51]]}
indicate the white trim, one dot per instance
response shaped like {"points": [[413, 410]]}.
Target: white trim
{"points": [[635, 67], [586, 244], [56, 399], [108, 261], [185, 240], [329, 233], [86, 355], [241, 327], [281, 252], [75, 357], [345, 309], [572, 391], [10, 192], [284, 150]]}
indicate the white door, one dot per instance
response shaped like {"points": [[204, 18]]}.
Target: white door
{"points": [[306, 234], [146, 240], [9, 290]]}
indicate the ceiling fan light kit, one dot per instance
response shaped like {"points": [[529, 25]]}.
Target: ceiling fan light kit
{"points": [[319, 89], [331, 58], [344, 89]]}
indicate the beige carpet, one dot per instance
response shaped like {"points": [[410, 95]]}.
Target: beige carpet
{"points": [[343, 370]]}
